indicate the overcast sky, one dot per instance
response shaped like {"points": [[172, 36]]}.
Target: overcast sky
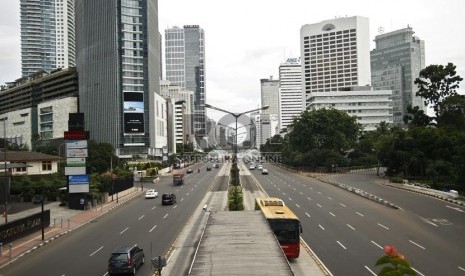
{"points": [[246, 40]]}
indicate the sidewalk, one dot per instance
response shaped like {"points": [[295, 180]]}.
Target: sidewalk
{"points": [[62, 221]]}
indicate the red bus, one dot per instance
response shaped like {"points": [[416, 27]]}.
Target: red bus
{"points": [[284, 223]]}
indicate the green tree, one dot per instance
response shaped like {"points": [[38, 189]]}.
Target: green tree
{"points": [[324, 129], [101, 157], [452, 112], [437, 82], [416, 117]]}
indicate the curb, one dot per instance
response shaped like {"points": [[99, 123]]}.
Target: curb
{"points": [[458, 202], [360, 192]]}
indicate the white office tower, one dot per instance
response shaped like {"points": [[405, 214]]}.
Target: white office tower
{"points": [[336, 54], [47, 35], [395, 64], [269, 89], [291, 100], [185, 67], [184, 105], [336, 68]]}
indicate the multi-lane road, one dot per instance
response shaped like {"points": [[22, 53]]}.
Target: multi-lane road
{"points": [[345, 230], [141, 221], [348, 231]]}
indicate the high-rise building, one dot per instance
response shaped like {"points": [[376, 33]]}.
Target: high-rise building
{"points": [[47, 35], [395, 64], [336, 71], [269, 89], [118, 61], [291, 100], [336, 54], [185, 67]]}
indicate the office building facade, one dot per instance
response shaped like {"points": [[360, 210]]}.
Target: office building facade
{"points": [[118, 59], [335, 54], [396, 62], [185, 67], [47, 35], [291, 100]]}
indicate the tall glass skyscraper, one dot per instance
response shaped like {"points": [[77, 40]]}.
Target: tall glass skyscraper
{"points": [[185, 67], [118, 62], [395, 64], [47, 35], [291, 99]]}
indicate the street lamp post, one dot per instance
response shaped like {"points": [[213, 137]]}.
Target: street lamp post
{"points": [[236, 116]]}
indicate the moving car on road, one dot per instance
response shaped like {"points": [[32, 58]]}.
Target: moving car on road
{"points": [[264, 171], [151, 193], [168, 199], [209, 168], [190, 171], [125, 259]]}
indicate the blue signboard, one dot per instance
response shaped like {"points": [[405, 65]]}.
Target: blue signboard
{"points": [[78, 179]]}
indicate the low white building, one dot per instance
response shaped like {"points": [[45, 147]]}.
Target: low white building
{"points": [[29, 163], [371, 107]]}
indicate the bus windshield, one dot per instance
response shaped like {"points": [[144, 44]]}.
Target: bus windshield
{"points": [[286, 231]]}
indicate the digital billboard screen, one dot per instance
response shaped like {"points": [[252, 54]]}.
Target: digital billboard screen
{"points": [[133, 109]]}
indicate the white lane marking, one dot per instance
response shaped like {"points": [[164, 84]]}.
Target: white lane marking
{"points": [[332, 214], [377, 245], [297, 205], [455, 208], [329, 198], [342, 205], [96, 251], [307, 214], [141, 217], [309, 198], [360, 214], [123, 231], [165, 216], [152, 229], [318, 205], [290, 199], [321, 227], [461, 268], [301, 193], [319, 193], [371, 271], [429, 222], [182, 199], [278, 189], [311, 188], [154, 207], [350, 226], [341, 245], [385, 227], [187, 194], [284, 193], [294, 189], [417, 244], [418, 272]]}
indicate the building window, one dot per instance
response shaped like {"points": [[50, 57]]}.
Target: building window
{"points": [[47, 165], [23, 169]]}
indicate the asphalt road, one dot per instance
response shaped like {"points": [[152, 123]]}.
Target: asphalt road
{"points": [[348, 232], [141, 221]]}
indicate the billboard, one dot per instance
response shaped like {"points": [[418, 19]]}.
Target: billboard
{"points": [[76, 162], [133, 110], [76, 152], [78, 183], [76, 144], [75, 170]]}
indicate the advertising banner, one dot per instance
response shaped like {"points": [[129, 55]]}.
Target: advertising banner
{"points": [[133, 109], [78, 188], [76, 152], [75, 170], [76, 144], [78, 179], [76, 162]]}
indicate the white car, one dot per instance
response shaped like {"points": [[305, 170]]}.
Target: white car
{"points": [[151, 193], [260, 167], [264, 171]]}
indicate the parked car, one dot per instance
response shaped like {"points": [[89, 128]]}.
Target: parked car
{"points": [[168, 199], [264, 171], [190, 171], [125, 259], [151, 193], [209, 168]]}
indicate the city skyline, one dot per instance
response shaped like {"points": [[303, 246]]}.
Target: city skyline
{"points": [[241, 52]]}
